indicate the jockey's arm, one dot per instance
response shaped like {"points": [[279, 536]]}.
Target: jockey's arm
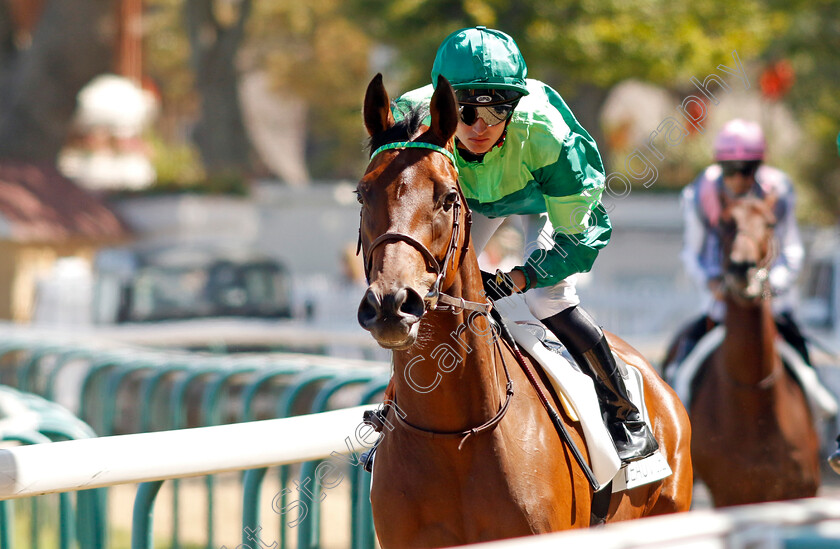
{"points": [[572, 184], [787, 266], [694, 234]]}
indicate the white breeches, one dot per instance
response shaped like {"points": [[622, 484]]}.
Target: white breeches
{"points": [[537, 231]]}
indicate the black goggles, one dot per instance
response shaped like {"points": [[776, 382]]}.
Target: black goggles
{"points": [[746, 168], [490, 114]]}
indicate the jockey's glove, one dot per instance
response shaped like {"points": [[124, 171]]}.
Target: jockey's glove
{"points": [[497, 286]]}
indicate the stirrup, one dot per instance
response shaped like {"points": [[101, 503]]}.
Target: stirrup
{"points": [[366, 459], [633, 445]]}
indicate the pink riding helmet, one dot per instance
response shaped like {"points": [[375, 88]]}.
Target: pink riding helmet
{"points": [[740, 140]]}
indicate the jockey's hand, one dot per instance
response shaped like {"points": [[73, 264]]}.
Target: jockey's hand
{"points": [[518, 279], [499, 285]]}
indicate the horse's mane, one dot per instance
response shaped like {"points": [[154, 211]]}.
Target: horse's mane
{"points": [[404, 130]]}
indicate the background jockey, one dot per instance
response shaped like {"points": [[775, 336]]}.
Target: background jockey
{"points": [[522, 153], [739, 171]]}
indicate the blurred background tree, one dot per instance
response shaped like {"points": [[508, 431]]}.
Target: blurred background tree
{"points": [[216, 30], [48, 51], [287, 78], [580, 47], [312, 50], [311, 59], [802, 71]]}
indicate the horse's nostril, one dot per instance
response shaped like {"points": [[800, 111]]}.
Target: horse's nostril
{"points": [[368, 309], [412, 304]]}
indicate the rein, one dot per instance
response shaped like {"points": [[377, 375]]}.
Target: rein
{"points": [[465, 434], [436, 299]]}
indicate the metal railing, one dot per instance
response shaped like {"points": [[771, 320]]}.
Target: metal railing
{"points": [[121, 390], [151, 458]]}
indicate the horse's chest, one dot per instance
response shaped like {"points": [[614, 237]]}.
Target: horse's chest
{"points": [[475, 494]]}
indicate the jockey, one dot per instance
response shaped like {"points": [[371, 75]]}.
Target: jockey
{"points": [[739, 171], [521, 153]]}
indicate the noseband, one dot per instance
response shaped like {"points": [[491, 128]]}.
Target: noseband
{"points": [[435, 299]]}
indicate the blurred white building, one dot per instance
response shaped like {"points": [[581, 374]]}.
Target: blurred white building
{"points": [[107, 151]]}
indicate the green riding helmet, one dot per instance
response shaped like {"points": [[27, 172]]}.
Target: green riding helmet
{"points": [[481, 58]]}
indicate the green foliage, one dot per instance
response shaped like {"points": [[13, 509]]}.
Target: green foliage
{"points": [[167, 51], [326, 52], [177, 164], [313, 51], [811, 43], [569, 42]]}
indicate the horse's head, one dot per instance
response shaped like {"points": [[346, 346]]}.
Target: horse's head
{"points": [[748, 245], [413, 214]]}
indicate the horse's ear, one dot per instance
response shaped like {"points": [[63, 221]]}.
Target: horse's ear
{"points": [[444, 109], [377, 110]]}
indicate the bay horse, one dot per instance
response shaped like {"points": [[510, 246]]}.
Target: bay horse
{"points": [[473, 455], [754, 438]]}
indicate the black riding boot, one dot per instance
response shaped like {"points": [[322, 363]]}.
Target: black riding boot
{"points": [[588, 345]]}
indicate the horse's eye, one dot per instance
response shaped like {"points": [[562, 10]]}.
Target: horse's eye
{"points": [[450, 199], [359, 197]]}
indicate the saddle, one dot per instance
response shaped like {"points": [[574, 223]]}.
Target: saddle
{"points": [[576, 392]]}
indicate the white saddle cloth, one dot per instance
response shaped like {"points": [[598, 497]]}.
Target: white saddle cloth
{"points": [[577, 391]]}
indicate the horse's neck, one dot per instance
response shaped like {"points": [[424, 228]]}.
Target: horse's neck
{"points": [[449, 380], [749, 349]]}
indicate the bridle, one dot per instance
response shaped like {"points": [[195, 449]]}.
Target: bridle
{"points": [[758, 279], [435, 299]]}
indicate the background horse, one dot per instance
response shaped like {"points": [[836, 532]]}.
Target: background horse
{"points": [[473, 455], [753, 434]]}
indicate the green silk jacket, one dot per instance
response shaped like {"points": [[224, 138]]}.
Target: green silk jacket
{"points": [[546, 163]]}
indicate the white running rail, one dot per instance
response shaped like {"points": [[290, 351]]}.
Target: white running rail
{"points": [[96, 462], [806, 523]]}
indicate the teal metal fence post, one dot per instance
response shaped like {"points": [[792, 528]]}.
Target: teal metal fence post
{"points": [[253, 478], [309, 530], [179, 421], [142, 536], [211, 415], [26, 375], [361, 529]]}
